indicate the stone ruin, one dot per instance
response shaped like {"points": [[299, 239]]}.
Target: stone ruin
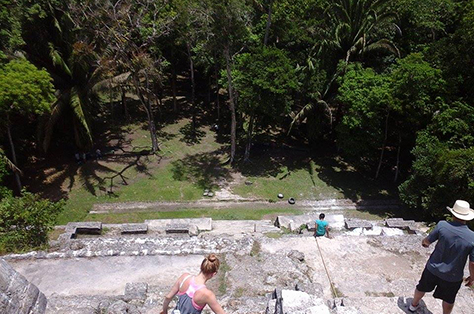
{"points": [[17, 295], [271, 267]]}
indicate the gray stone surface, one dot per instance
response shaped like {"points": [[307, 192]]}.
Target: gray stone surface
{"points": [[335, 221], [298, 302], [399, 223], [357, 223], [177, 228], [204, 224], [296, 255], [193, 230], [17, 295], [136, 291], [134, 228]]}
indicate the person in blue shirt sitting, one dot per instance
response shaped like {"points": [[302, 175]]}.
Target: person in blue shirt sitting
{"points": [[321, 226]]}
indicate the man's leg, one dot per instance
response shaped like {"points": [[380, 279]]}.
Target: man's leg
{"points": [[417, 297], [447, 307]]}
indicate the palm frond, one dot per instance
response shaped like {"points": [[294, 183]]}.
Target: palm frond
{"points": [[77, 105], [303, 113], [58, 59], [9, 163], [383, 44], [57, 109], [111, 83], [300, 116]]}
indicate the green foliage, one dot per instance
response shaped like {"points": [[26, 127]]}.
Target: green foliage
{"points": [[10, 28], [24, 89], [443, 169], [264, 80], [25, 221], [368, 98], [4, 165], [416, 85]]}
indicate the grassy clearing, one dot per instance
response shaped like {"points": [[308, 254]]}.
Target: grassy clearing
{"points": [[303, 177], [217, 214], [187, 165], [175, 175], [296, 183]]}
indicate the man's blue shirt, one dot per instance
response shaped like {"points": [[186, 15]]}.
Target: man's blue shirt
{"points": [[455, 244], [321, 227]]}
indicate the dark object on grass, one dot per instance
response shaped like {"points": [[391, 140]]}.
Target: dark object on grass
{"points": [[248, 182], [291, 200]]}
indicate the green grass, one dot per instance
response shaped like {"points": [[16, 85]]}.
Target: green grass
{"points": [[217, 214], [302, 177], [184, 167], [172, 176], [297, 184]]}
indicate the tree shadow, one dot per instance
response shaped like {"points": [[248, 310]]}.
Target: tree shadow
{"points": [[354, 183], [190, 136], [203, 169]]}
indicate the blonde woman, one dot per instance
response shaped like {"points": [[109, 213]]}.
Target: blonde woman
{"points": [[192, 293]]}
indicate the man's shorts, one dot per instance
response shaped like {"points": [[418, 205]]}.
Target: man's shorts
{"points": [[445, 290]]}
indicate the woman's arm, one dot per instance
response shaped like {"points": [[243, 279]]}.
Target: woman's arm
{"points": [[171, 294], [213, 304]]}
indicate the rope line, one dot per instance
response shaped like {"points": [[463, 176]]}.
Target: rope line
{"points": [[326, 269]]}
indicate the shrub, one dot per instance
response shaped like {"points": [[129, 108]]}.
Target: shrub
{"points": [[25, 221]]}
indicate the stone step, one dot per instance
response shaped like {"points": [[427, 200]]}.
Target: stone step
{"points": [[134, 228], [396, 305]]}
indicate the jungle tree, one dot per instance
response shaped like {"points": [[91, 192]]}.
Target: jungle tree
{"points": [[24, 90]]}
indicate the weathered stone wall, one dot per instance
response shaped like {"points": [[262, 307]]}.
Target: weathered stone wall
{"points": [[17, 295]]}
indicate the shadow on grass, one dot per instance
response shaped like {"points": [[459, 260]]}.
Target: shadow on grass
{"points": [[202, 169], [191, 136], [280, 163]]}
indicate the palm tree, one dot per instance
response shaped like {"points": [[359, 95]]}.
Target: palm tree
{"points": [[352, 32], [56, 45]]}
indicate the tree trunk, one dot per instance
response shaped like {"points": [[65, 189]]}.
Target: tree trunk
{"points": [[233, 125], [12, 146], [218, 105], [248, 146], [383, 147], [269, 22], [151, 121], [124, 105], [173, 88], [397, 165], [193, 89]]}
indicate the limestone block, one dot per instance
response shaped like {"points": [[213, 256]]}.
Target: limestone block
{"points": [[293, 226], [355, 223], [134, 228], [193, 230], [399, 223], [392, 231], [177, 228], [375, 230], [17, 295], [283, 221], [299, 302], [86, 227], [294, 254]]}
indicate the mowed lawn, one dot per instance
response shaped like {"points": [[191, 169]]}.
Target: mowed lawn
{"points": [[186, 166]]}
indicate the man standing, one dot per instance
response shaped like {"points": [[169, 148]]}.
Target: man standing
{"points": [[445, 267], [321, 226]]}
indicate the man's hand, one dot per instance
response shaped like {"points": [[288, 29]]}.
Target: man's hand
{"points": [[469, 281], [425, 242]]}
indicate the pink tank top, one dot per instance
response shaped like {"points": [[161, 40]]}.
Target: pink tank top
{"points": [[193, 287]]}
